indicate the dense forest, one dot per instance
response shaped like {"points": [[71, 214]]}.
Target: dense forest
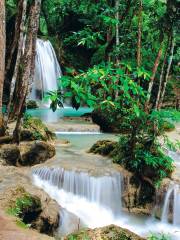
{"points": [[92, 80]]}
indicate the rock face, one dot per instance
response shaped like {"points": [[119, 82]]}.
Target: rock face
{"points": [[111, 232], [27, 154], [138, 195]]}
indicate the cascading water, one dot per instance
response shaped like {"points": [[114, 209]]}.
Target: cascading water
{"points": [[102, 190], [172, 200], [94, 201], [47, 70]]}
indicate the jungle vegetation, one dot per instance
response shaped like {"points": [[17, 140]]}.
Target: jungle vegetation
{"points": [[116, 56]]}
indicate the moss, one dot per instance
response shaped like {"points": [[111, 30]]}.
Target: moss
{"points": [[35, 129], [103, 147]]}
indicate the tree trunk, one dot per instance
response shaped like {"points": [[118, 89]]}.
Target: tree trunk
{"points": [[139, 34], [2, 61], [18, 30], [28, 64], [21, 22], [117, 26], [161, 77], [154, 70], [167, 72]]}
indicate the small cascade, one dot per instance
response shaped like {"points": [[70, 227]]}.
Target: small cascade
{"points": [[103, 190], [47, 70], [172, 204]]}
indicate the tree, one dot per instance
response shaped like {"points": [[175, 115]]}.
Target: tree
{"points": [[139, 34], [167, 72], [2, 61], [27, 63], [17, 42]]}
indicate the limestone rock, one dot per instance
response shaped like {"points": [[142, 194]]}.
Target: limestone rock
{"points": [[36, 208], [103, 147], [35, 129], [36, 153], [111, 232], [10, 154], [31, 104]]}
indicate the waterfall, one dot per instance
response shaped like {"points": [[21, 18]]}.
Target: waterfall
{"points": [[95, 201], [172, 201], [102, 190], [47, 70]]}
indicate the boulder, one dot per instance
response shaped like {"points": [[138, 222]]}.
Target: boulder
{"points": [[111, 232], [35, 153], [10, 154], [109, 121], [40, 211], [48, 220], [35, 129]]}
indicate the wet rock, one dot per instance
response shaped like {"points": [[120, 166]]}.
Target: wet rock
{"points": [[31, 104], [103, 147], [36, 153], [111, 232], [10, 154]]}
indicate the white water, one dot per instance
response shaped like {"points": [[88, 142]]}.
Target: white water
{"points": [[103, 191], [47, 70], [172, 199], [96, 201]]}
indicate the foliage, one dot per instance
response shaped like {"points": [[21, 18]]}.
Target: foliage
{"points": [[159, 237], [56, 99], [20, 204], [103, 84], [140, 151], [37, 127], [24, 206], [168, 114]]}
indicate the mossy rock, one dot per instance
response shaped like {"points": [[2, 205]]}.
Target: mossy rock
{"points": [[111, 232], [35, 129], [31, 104], [103, 147]]}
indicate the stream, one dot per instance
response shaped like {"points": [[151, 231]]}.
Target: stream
{"points": [[88, 188]]}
